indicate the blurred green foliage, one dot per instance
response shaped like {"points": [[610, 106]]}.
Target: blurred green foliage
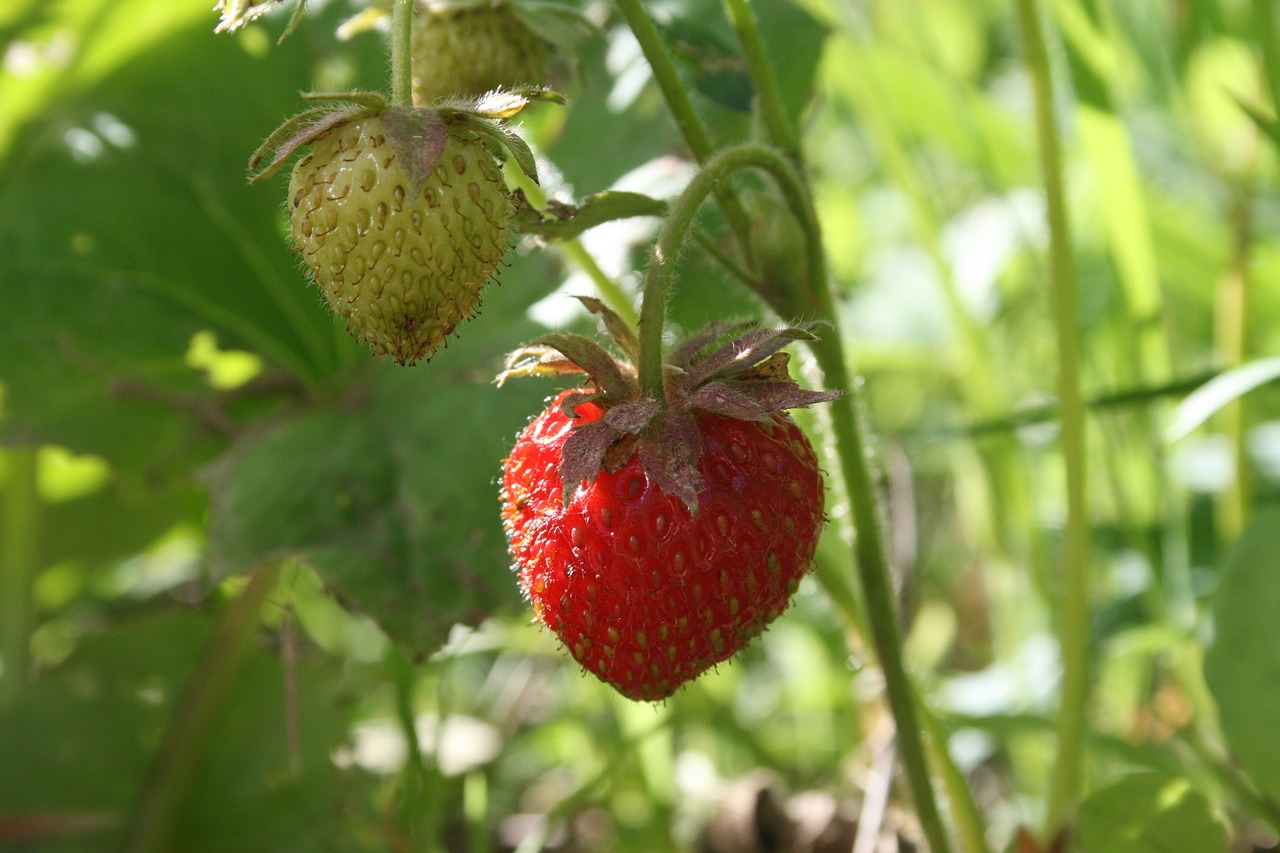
{"points": [[177, 410]]}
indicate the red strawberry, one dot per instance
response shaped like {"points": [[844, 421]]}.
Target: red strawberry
{"points": [[648, 573]]}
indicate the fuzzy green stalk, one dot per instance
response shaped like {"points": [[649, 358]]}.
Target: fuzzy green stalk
{"points": [[768, 92], [970, 826], [402, 53], [850, 433], [19, 542], [153, 825], [1067, 780], [675, 228], [877, 584], [1232, 335], [687, 121]]}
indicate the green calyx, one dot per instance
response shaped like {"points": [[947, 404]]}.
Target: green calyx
{"points": [[416, 134]]}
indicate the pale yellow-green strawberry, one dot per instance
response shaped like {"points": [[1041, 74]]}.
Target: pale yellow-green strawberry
{"points": [[402, 265], [469, 49]]}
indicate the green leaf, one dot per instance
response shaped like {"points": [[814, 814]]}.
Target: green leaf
{"points": [[1242, 665], [1218, 392], [130, 228], [718, 69], [84, 735], [562, 221], [1149, 813], [388, 492], [1268, 124], [392, 502]]}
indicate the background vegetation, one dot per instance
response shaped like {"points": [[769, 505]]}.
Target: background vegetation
{"points": [[254, 592]]}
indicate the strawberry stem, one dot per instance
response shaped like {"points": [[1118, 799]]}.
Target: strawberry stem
{"points": [[850, 433], [676, 228], [1072, 728], [402, 53], [768, 92], [686, 117]]}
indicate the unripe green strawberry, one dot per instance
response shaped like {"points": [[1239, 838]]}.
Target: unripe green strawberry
{"points": [[467, 50], [403, 268]]}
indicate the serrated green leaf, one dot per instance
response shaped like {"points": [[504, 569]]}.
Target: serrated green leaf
{"points": [[389, 502], [1149, 813]]}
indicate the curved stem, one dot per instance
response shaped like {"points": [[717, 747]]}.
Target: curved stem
{"points": [[402, 53], [872, 563], [768, 92], [690, 125], [676, 227], [1067, 781]]}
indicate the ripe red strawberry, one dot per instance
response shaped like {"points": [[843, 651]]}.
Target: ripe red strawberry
{"points": [[649, 574]]}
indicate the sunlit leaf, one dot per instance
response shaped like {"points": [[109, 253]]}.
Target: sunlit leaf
{"points": [[1221, 391], [1149, 813]]}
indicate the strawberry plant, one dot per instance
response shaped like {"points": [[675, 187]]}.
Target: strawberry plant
{"points": [[604, 425]]}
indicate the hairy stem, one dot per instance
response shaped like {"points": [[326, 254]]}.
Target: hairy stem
{"points": [[690, 125], [965, 814], [154, 823], [675, 229], [19, 538], [1067, 780], [768, 92], [402, 52], [877, 584]]}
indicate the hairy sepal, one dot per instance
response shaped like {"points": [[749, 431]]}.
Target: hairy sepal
{"points": [[302, 129], [418, 137], [745, 378], [669, 450], [583, 456], [619, 331]]}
